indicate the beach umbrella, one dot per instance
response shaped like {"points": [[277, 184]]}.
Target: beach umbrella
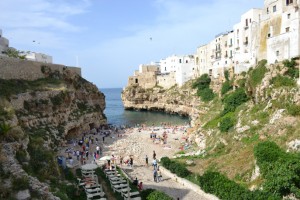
{"points": [[105, 158]]}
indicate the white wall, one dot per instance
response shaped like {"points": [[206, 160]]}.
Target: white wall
{"points": [[39, 57]]}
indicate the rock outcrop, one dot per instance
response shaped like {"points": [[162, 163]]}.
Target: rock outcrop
{"points": [[174, 101], [49, 110]]}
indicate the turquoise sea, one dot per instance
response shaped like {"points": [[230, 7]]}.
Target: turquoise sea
{"points": [[116, 114]]}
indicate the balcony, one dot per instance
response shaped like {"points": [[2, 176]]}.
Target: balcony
{"points": [[230, 45], [246, 27], [246, 43], [237, 48], [226, 56], [218, 50]]}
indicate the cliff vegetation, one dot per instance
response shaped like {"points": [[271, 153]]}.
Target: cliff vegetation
{"points": [[244, 141]]}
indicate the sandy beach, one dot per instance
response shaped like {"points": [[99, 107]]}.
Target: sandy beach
{"points": [[137, 142]]}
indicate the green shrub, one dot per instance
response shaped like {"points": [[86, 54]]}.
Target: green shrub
{"points": [[241, 82], [158, 195], [224, 188], [203, 90], [21, 156], [226, 123], [226, 74], [145, 193], [20, 183], [282, 177], [206, 94], [175, 167], [280, 81], [280, 169], [58, 99], [292, 71], [258, 73], [226, 87], [267, 152], [293, 109], [165, 161], [202, 82], [233, 100]]}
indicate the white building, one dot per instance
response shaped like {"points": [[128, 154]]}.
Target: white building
{"points": [[183, 66], [280, 28], [246, 35], [4, 43], [39, 57], [271, 33]]}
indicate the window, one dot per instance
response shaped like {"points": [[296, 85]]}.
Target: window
{"points": [[274, 8], [136, 80], [246, 22], [186, 61], [267, 10], [277, 53], [179, 60], [288, 2], [269, 35], [289, 16], [287, 29]]}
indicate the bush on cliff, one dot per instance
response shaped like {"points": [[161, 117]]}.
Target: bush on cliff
{"points": [[258, 73], [226, 87], [219, 185], [281, 170], [233, 100], [280, 81], [203, 90], [226, 123], [292, 71]]}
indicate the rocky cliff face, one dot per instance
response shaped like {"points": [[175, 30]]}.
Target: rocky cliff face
{"points": [[182, 101], [39, 116]]}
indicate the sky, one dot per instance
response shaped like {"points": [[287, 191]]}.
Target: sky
{"points": [[109, 39]]}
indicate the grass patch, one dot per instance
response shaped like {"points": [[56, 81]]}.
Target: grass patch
{"points": [[14, 86]]}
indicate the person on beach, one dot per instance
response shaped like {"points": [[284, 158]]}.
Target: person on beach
{"points": [[159, 176], [78, 154], [103, 139], [146, 159], [135, 182], [121, 160], [155, 175], [154, 155], [98, 149], [154, 163], [131, 161], [140, 186]]}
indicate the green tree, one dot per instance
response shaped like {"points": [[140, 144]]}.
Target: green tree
{"points": [[11, 52]]}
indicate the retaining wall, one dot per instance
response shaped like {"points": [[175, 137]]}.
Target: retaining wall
{"points": [[13, 68]]}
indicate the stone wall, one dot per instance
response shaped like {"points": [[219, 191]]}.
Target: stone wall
{"points": [[166, 80], [12, 68]]}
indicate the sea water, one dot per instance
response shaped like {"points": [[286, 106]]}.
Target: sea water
{"points": [[116, 114]]}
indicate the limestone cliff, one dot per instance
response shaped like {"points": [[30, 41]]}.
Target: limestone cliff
{"points": [[247, 109], [182, 101], [37, 117]]}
